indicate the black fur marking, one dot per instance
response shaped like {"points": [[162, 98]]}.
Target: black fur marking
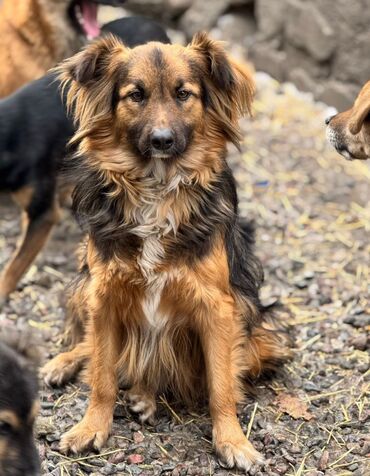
{"points": [[157, 58], [101, 216]]}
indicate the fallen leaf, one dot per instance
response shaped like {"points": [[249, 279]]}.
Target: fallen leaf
{"points": [[293, 406]]}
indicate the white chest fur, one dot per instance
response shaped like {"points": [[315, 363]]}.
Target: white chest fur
{"points": [[151, 225]]}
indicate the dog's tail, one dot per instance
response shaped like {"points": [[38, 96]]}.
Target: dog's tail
{"points": [[269, 346]]}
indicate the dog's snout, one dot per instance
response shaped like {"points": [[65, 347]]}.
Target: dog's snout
{"points": [[328, 119], [162, 139]]}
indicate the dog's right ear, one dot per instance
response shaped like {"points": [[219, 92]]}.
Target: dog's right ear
{"points": [[89, 82], [360, 110], [92, 62]]}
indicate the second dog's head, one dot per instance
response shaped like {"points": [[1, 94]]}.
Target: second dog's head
{"points": [[349, 131], [18, 410], [156, 101]]}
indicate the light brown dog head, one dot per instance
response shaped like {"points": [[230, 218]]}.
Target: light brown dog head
{"points": [[349, 131], [157, 102]]}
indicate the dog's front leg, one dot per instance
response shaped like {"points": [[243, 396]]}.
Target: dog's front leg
{"points": [[93, 431], [219, 332]]}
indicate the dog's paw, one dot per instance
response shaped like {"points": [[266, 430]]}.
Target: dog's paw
{"points": [[83, 437], [236, 451], [60, 370], [143, 404]]}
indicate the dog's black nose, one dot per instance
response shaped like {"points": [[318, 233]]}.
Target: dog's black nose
{"points": [[162, 139], [328, 119]]}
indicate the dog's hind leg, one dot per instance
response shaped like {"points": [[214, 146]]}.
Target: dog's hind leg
{"points": [[36, 229], [65, 366], [142, 402], [76, 315]]}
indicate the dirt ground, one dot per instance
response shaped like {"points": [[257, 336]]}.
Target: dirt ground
{"points": [[313, 217]]}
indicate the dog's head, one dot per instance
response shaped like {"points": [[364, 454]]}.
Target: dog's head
{"points": [[157, 102], [349, 131], [18, 410], [83, 14]]}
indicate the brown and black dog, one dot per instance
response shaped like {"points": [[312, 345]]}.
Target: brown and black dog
{"points": [[349, 131], [35, 114], [170, 282], [35, 35], [18, 405]]}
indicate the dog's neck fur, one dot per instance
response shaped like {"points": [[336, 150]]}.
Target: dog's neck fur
{"points": [[43, 26]]}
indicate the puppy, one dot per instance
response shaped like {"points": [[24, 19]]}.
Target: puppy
{"points": [[349, 131], [18, 410], [35, 35], [170, 282], [36, 115]]}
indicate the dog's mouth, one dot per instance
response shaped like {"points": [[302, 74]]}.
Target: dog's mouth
{"points": [[84, 16], [338, 143], [335, 141]]}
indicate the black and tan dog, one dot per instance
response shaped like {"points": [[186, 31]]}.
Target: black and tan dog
{"points": [[170, 282], [34, 132], [349, 131], [35, 35], [18, 410]]}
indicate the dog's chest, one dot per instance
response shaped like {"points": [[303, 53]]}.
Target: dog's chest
{"points": [[153, 220]]}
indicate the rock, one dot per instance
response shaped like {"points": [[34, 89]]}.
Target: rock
{"points": [[234, 28], [340, 95], [306, 28], [202, 15], [176, 36], [298, 58], [266, 58], [270, 17], [360, 342], [177, 7], [349, 64]]}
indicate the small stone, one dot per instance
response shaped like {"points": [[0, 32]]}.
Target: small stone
{"points": [[360, 342], [310, 387], [138, 437], [323, 462], [119, 457], [135, 459]]}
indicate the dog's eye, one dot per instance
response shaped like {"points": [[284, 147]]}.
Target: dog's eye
{"points": [[183, 94], [5, 428], [136, 96]]}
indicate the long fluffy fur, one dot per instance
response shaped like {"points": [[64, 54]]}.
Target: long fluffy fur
{"points": [[171, 284]]}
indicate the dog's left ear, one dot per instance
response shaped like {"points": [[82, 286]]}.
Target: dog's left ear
{"points": [[229, 85], [360, 110]]}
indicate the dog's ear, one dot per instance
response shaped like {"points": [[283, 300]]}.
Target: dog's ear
{"points": [[92, 62], [89, 82], [229, 86], [360, 110]]}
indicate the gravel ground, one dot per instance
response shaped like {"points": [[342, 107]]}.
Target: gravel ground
{"points": [[313, 220]]}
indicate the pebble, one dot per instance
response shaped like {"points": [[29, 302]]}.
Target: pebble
{"points": [[138, 437], [135, 459], [310, 387], [360, 342]]}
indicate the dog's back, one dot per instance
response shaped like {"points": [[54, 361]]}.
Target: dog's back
{"points": [[134, 31], [34, 131]]}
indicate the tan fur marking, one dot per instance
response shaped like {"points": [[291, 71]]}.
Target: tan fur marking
{"points": [[10, 418]]}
